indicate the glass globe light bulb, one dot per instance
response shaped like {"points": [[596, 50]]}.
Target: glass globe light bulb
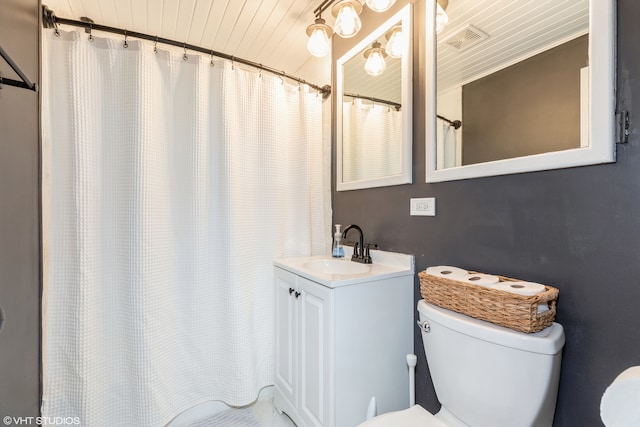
{"points": [[396, 44], [348, 22], [380, 5], [375, 64], [318, 43], [441, 18]]}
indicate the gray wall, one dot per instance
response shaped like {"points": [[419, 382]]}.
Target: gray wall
{"points": [[19, 215], [578, 229], [528, 108]]}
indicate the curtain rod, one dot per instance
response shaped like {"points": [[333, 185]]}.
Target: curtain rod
{"points": [[378, 100], [455, 123], [25, 83], [50, 20]]}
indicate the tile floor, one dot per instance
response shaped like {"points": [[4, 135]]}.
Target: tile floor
{"points": [[269, 416], [260, 414]]}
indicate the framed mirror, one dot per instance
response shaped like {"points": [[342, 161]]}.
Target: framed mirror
{"points": [[374, 108], [518, 86]]}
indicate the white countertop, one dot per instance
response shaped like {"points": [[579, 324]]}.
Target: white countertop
{"points": [[385, 265]]}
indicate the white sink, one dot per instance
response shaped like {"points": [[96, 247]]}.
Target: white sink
{"points": [[335, 272], [336, 266]]}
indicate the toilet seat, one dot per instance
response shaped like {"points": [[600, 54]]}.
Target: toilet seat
{"points": [[416, 416]]}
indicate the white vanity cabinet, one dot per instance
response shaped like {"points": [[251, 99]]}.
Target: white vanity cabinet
{"points": [[340, 342], [302, 345]]}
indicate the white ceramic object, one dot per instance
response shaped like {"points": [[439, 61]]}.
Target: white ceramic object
{"points": [[335, 272], [332, 266], [484, 374]]}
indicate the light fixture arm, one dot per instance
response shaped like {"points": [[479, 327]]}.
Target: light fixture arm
{"points": [[322, 7], [326, 3]]}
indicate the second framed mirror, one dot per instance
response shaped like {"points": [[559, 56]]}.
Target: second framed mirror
{"points": [[517, 86], [374, 107]]}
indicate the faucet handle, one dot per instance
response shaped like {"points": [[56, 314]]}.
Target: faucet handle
{"points": [[357, 255], [367, 255], [355, 249]]}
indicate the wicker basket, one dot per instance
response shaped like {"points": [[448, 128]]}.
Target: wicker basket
{"points": [[507, 309]]}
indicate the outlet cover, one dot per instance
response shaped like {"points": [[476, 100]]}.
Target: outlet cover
{"points": [[425, 206]]}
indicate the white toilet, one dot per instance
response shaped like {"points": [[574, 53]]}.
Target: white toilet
{"points": [[484, 375]]}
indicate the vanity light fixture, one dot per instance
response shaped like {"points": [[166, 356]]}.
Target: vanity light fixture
{"points": [[441, 15], [347, 24], [375, 63], [380, 5], [347, 17], [395, 42], [319, 32]]}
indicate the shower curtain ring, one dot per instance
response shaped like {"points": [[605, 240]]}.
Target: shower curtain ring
{"points": [[212, 64], [126, 45], [155, 45], [184, 55], [55, 26], [90, 29]]}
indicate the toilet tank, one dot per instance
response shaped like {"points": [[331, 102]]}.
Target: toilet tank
{"points": [[490, 376]]}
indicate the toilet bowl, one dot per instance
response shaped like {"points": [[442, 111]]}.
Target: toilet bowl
{"points": [[484, 375]]}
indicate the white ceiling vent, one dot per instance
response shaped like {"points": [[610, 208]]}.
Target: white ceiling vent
{"points": [[465, 38]]}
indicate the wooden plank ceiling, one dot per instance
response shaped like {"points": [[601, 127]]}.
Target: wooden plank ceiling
{"points": [[272, 32], [516, 29]]}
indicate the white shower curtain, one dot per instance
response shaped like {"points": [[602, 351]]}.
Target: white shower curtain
{"points": [[448, 140], [169, 187], [371, 141]]}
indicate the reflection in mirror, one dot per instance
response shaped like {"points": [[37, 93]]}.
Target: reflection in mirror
{"points": [[521, 85], [373, 108]]}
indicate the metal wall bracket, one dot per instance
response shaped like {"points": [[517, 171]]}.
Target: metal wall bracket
{"points": [[48, 17], [326, 91], [25, 83], [622, 127]]}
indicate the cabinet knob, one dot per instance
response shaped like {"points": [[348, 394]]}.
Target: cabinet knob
{"points": [[297, 294]]}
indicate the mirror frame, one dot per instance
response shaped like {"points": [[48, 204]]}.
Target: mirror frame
{"points": [[602, 147], [403, 16]]}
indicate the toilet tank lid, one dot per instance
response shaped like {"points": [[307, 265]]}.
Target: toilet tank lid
{"points": [[548, 341]]}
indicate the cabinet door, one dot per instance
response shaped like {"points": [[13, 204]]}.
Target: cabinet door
{"points": [[315, 381], [286, 341]]}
